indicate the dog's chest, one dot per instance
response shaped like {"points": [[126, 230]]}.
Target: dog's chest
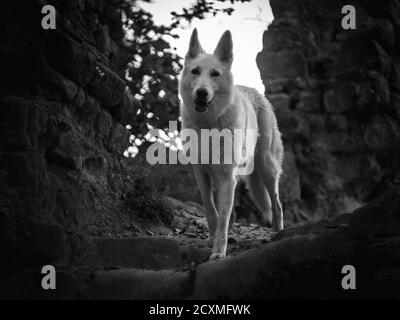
{"points": [[230, 140]]}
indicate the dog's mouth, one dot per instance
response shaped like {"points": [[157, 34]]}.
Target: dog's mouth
{"points": [[201, 105]]}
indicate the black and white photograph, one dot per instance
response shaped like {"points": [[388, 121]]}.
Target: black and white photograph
{"points": [[208, 152]]}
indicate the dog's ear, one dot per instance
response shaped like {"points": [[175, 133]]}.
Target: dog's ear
{"points": [[194, 46], [224, 48]]}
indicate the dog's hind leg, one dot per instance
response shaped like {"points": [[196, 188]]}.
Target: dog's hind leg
{"points": [[206, 192], [270, 175], [260, 196]]}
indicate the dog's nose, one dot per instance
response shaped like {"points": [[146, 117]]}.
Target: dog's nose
{"points": [[202, 93]]}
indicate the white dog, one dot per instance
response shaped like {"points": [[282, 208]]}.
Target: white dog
{"points": [[210, 100]]}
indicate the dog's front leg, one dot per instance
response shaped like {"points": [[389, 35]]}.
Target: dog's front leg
{"points": [[204, 183], [226, 194]]}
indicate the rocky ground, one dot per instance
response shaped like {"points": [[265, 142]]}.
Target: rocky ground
{"points": [[303, 261], [300, 262]]}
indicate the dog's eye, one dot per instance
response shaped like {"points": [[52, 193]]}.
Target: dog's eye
{"points": [[195, 71], [215, 73]]}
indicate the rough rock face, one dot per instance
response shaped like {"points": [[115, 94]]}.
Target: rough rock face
{"points": [[336, 95], [63, 110], [301, 262]]}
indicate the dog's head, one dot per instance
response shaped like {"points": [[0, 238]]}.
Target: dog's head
{"points": [[206, 78]]}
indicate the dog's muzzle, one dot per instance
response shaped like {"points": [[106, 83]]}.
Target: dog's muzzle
{"points": [[201, 105]]}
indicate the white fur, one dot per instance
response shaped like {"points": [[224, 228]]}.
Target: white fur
{"points": [[231, 107]]}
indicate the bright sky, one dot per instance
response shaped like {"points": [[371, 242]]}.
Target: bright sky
{"points": [[247, 24]]}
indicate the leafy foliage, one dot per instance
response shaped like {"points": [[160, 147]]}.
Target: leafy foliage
{"points": [[201, 9], [152, 72]]}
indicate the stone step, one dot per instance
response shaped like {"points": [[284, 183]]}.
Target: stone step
{"points": [[150, 253], [135, 284]]}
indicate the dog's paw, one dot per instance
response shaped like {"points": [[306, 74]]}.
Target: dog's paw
{"points": [[217, 256]]}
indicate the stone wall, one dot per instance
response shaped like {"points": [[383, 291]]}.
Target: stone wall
{"points": [[63, 111], [337, 98]]}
